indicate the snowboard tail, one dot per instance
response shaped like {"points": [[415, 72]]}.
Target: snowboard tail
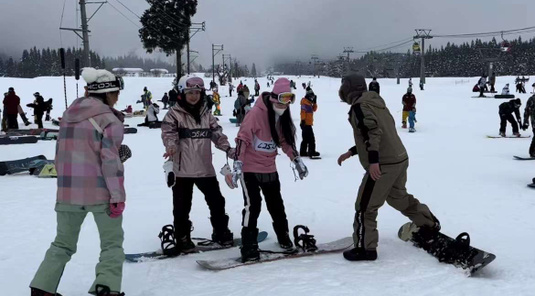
{"points": [[268, 256], [523, 158], [508, 137], [202, 245], [457, 252]]}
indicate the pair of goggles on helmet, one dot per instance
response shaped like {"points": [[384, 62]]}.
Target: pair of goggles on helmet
{"points": [[194, 83], [285, 98]]}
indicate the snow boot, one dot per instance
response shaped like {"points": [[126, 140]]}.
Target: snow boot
{"points": [[168, 242], [404, 124], [183, 238], [314, 154], [360, 254], [502, 134], [105, 291], [221, 234], [283, 236], [303, 153], [411, 130], [518, 135], [37, 292], [249, 249]]}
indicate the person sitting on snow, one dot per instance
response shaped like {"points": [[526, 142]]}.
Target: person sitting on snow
{"points": [[505, 90], [151, 119]]}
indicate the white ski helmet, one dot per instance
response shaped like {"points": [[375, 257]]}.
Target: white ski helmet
{"points": [[189, 82]]}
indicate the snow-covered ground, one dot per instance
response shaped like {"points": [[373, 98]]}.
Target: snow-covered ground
{"points": [[470, 182]]}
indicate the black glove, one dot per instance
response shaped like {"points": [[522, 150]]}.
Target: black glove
{"points": [[124, 153], [525, 126]]}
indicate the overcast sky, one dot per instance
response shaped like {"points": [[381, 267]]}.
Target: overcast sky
{"points": [[262, 31]]}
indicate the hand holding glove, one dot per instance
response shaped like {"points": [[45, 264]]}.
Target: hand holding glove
{"points": [[236, 172], [169, 173], [116, 209], [300, 167]]}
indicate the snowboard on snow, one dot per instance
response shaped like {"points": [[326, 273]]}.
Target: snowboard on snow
{"points": [[202, 245], [8, 140], [21, 165], [523, 158], [130, 130], [233, 120], [504, 96], [508, 137], [268, 256], [455, 251]]}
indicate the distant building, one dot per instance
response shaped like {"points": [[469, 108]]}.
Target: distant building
{"points": [[159, 72], [134, 72]]}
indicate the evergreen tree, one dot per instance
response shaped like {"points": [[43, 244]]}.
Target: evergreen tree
{"points": [[165, 25], [253, 70]]}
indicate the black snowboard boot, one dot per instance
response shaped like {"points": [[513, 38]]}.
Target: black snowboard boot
{"points": [[249, 249], [360, 254], [221, 234], [37, 292], [314, 154], [183, 238], [105, 291], [283, 236]]}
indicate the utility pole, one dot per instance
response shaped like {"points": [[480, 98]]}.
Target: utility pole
{"points": [[423, 34], [229, 58], [348, 50], [216, 48], [195, 28], [86, 60], [315, 59]]}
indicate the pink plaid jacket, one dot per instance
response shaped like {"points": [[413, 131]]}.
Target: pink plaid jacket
{"points": [[89, 169]]}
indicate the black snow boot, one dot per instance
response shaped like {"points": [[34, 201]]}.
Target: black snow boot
{"points": [[283, 236], [314, 154], [249, 249], [222, 235], [183, 238], [105, 291], [360, 254], [37, 292]]}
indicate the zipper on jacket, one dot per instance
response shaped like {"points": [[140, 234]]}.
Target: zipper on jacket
{"points": [[179, 160]]}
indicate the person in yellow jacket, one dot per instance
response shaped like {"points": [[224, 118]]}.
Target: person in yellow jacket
{"points": [[216, 98], [308, 107]]}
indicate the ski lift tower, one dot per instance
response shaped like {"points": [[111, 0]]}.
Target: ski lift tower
{"points": [[489, 55], [423, 34]]}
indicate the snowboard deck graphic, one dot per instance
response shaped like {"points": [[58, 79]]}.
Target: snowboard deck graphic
{"points": [[508, 137], [523, 158], [233, 262], [203, 245], [474, 260], [20, 165]]}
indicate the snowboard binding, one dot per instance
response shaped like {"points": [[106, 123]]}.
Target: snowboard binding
{"points": [[304, 241], [168, 242], [102, 290]]}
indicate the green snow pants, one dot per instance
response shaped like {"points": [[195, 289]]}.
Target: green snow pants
{"points": [[110, 267], [373, 194]]}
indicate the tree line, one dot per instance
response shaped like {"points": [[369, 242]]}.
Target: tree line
{"points": [[46, 62]]}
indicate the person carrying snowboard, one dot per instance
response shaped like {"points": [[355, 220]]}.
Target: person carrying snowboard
{"points": [[188, 130], [39, 107], [383, 156], [505, 110], [409, 110], [308, 107], [529, 113], [374, 86], [268, 126], [90, 173]]}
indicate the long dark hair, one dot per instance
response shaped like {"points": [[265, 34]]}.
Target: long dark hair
{"points": [[101, 96], [287, 125], [194, 110]]}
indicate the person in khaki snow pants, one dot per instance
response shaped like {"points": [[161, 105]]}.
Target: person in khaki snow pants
{"points": [[383, 156], [89, 157]]}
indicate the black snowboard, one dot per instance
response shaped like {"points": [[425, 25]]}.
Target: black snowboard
{"points": [[18, 140], [267, 256], [21, 165], [449, 250], [504, 96], [130, 130], [203, 245], [523, 158]]}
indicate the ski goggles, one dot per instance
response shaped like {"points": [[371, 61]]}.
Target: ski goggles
{"points": [[194, 83], [285, 98]]}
